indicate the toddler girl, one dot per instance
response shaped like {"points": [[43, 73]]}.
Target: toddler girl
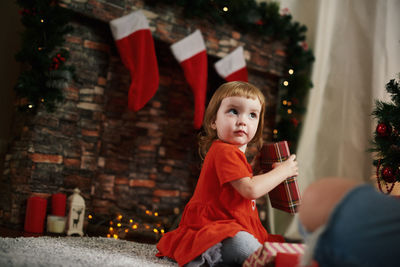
{"points": [[220, 224]]}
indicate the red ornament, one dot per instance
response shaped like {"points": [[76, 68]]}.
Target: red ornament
{"points": [[24, 11], [285, 11], [259, 22], [295, 101], [304, 45], [295, 122], [379, 177], [388, 175], [383, 129]]}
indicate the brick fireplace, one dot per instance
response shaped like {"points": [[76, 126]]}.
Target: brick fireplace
{"points": [[122, 161]]}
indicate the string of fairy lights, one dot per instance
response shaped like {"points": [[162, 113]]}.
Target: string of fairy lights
{"points": [[287, 112], [120, 226], [43, 82], [266, 19]]}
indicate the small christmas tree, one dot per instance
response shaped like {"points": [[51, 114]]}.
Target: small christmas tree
{"points": [[387, 139]]}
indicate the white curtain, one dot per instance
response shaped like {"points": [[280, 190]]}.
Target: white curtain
{"points": [[356, 44]]}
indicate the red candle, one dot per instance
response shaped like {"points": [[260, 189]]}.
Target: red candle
{"points": [[58, 202], [35, 214]]}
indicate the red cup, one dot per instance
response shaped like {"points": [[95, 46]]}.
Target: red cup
{"points": [[35, 215]]}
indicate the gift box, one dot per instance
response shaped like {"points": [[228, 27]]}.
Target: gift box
{"points": [[271, 251], [286, 195]]}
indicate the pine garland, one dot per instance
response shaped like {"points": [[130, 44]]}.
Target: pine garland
{"points": [[266, 19], [386, 140], [46, 73]]}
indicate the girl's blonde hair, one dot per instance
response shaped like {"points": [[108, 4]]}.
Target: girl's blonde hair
{"points": [[229, 89]]}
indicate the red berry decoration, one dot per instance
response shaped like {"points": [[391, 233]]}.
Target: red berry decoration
{"points": [[295, 122], [388, 175], [383, 129], [259, 22]]}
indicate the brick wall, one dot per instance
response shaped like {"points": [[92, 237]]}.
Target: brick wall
{"points": [[124, 161]]}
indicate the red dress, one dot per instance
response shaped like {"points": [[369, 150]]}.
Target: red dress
{"points": [[216, 211]]}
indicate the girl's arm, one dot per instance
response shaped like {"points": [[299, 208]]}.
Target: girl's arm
{"points": [[259, 185]]}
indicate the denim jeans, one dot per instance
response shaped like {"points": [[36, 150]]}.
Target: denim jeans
{"points": [[363, 230], [237, 249], [232, 251]]}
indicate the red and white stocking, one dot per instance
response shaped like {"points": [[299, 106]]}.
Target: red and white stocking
{"points": [[233, 66], [136, 48], [191, 54]]}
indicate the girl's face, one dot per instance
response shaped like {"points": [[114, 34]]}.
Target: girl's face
{"points": [[237, 120]]}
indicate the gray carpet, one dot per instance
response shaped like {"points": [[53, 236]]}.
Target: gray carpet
{"points": [[77, 251]]}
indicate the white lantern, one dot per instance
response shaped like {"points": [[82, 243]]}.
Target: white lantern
{"points": [[76, 213]]}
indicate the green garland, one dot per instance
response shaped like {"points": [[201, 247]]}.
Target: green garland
{"points": [[46, 73], [268, 20], [386, 140]]}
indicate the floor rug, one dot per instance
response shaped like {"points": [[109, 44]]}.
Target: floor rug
{"points": [[77, 251]]}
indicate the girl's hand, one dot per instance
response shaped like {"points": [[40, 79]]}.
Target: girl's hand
{"points": [[289, 167], [261, 184]]}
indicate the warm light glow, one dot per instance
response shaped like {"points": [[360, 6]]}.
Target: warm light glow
{"points": [[155, 230], [131, 221], [285, 83], [90, 217], [108, 235], [40, 49], [289, 111], [176, 210], [289, 103], [147, 227], [225, 9], [111, 229], [134, 226], [284, 102], [291, 71], [275, 131], [126, 230], [162, 231], [111, 222], [30, 106], [119, 217], [119, 225], [147, 212], [115, 236], [155, 213], [42, 20]]}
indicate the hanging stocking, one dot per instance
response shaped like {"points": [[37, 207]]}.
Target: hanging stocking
{"points": [[233, 66], [191, 54], [136, 47]]}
